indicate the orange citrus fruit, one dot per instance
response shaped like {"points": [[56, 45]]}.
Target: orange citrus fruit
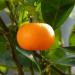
{"points": [[35, 36]]}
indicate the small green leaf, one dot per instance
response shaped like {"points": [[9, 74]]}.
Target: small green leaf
{"points": [[68, 61], [60, 67], [26, 54], [23, 16], [70, 49], [58, 54], [53, 55]]}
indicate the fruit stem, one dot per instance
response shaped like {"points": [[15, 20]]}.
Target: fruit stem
{"points": [[30, 19], [12, 44]]}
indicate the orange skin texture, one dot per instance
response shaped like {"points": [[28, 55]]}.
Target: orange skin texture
{"points": [[34, 36]]}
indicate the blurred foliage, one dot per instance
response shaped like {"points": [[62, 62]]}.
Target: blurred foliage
{"points": [[2, 4], [72, 37], [3, 68], [53, 12]]}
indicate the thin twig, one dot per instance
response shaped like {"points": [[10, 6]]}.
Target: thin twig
{"points": [[13, 16]]}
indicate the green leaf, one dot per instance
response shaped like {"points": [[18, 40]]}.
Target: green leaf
{"points": [[25, 59], [61, 56], [60, 67], [55, 12], [70, 49], [29, 56], [53, 55], [64, 57], [68, 61]]}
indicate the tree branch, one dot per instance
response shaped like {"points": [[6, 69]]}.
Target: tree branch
{"points": [[12, 43]]}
